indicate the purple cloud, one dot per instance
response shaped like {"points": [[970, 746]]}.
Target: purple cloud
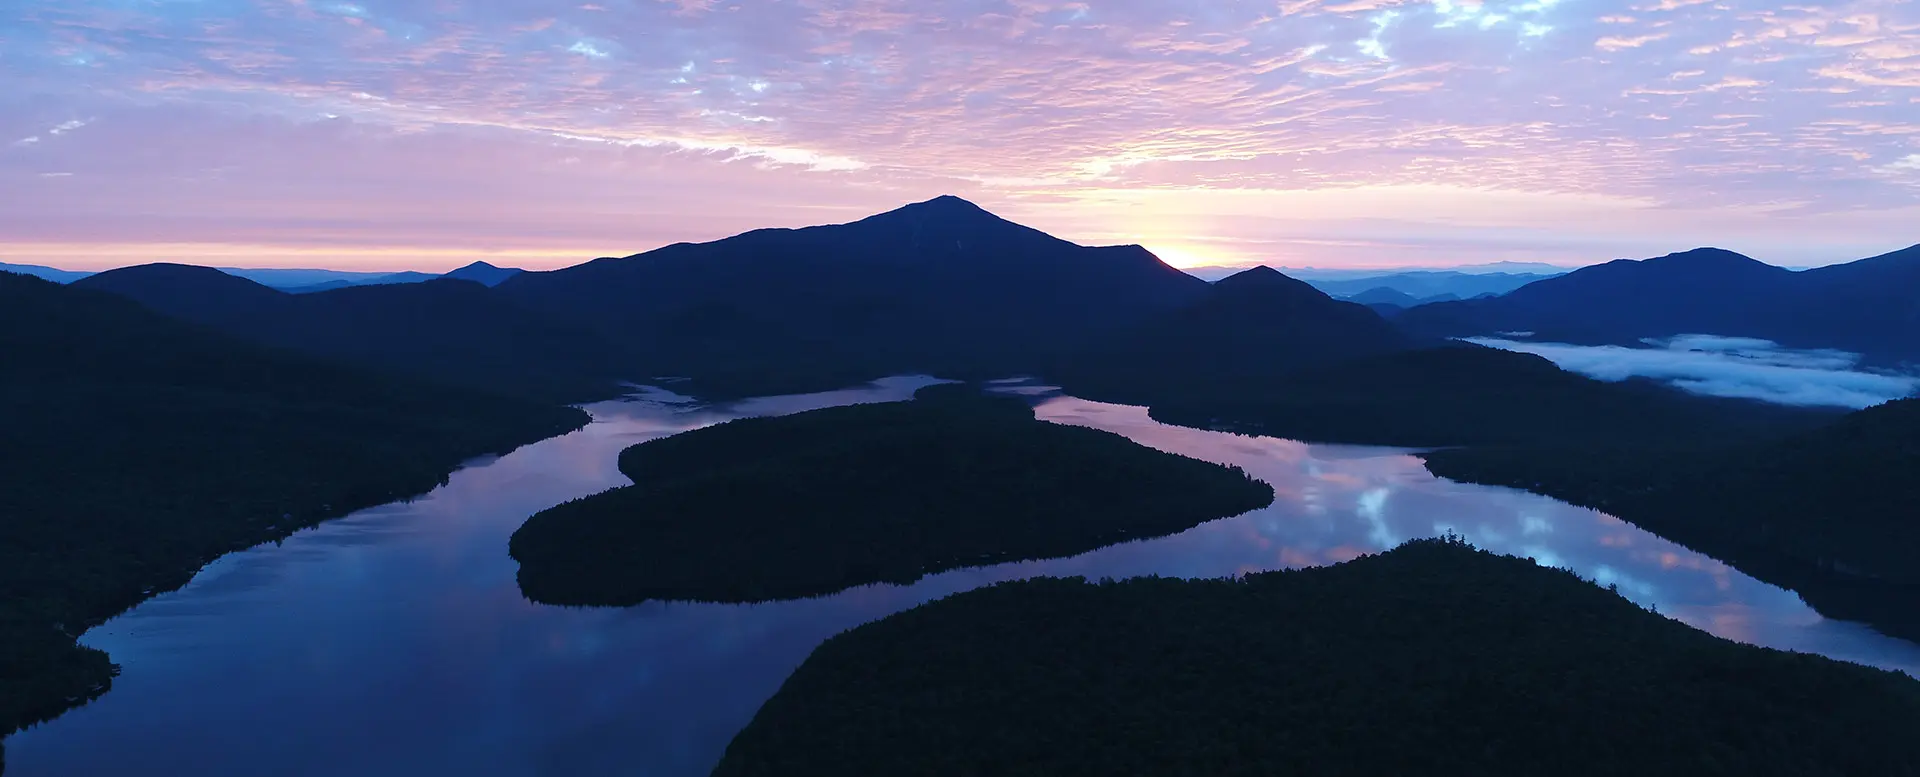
{"points": [[1296, 132]]}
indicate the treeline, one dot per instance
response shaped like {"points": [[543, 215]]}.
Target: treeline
{"points": [[1805, 498], [1830, 513], [1431, 659], [137, 448], [1450, 395], [809, 504]]}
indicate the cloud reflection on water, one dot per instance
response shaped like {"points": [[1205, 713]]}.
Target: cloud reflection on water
{"points": [[395, 642]]}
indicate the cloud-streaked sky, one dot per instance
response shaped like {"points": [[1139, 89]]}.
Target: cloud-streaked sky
{"points": [[385, 134]]}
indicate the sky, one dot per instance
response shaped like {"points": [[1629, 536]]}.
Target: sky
{"points": [[424, 134]]}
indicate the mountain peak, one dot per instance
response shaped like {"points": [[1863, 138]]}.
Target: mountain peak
{"points": [[1257, 271], [946, 226], [175, 275], [184, 290], [1703, 257], [1259, 277], [944, 208], [948, 202], [483, 273], [172, 269], [1260, 287]]}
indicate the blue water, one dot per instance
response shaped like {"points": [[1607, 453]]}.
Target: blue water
{"points": [[394, 641]]}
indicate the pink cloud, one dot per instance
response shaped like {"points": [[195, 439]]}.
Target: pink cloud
{"points": [[430, 122]]}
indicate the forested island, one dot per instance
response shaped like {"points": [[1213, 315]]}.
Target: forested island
{"points": [[136, 448], [1830, 513], [1432, 659], [1809, 499], [809, 504]]}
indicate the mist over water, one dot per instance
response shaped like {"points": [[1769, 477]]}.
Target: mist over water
{"points": [[1737, 367]]}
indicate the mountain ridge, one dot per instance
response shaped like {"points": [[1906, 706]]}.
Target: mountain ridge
{"points": [[940, 285], [1251, 328], [1857, 306], [456, 332]]}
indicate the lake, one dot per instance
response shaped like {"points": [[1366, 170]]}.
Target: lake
{"points": [[395, 642]]}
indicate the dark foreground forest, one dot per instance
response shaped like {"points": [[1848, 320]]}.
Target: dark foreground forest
{"points": [[1431, 659], [137, 448], [809, 504], [1830, 513]]}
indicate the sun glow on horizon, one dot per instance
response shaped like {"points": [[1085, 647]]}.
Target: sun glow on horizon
{"points": [[1185, 257]]}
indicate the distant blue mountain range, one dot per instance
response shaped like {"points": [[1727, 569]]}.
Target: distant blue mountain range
{"points": [[1409, 287], [301, 281], [44, 273]]}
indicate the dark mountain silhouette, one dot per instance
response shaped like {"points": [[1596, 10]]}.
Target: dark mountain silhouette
{"points": [[452, 331], [1264, 317], [1246, 332], [484, 274], [187, 291], [1463, 394], [937, 286], [1866, 306], [1620, 301], [1267, 354], [1871, 306], [138, 447]]}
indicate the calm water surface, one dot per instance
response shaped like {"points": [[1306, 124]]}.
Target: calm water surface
{"points": [[395, 642]]}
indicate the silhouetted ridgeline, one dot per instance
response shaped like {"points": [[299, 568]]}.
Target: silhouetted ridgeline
{"points": [[1431, 659], [1830, 513], [809, 504], [1455, 394], [454, 332], [1263, 353], [136, 448], [1866, 306], [940, 287], [1248, 330]]}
